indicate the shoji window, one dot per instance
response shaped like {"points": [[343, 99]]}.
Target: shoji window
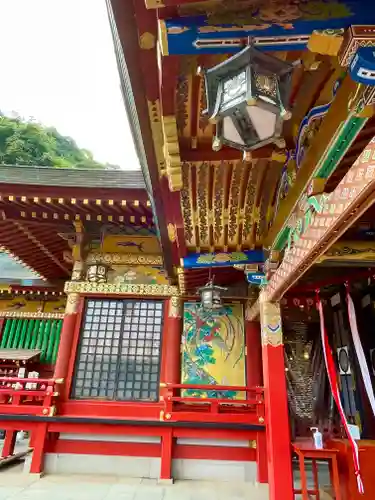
{"points": [[119, 350]]}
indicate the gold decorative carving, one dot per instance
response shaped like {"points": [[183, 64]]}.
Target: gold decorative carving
{"points": [[202, 204], [72, 302], [279, 156], [175, 307], [163, 38], [78, 270], [218, 203], [248, 307], [157, 133], [154, 4], [266, 84], [120, 289], [124, 259], [172, 232], [253, 312], [30, 315], [181, 279], [186, 204], [147, 41], [359, 251], [270, 320], [172, 152], [248, 222], [234, 203], [325, 43]]}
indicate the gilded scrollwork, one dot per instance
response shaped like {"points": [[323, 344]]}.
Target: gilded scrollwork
{"points": [[120, 289], [78, 270], [72, 302], [270, 320], [185, 199], [175, 307], [124, 259], [234, 201], [30, 315], [218, 202], [202, 203], [248, 222]]}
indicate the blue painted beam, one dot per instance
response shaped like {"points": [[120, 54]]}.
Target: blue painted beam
{"points": [[276, 26], [256, 278], [223, 259]]}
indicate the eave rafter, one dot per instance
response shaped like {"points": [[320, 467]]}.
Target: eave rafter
{"points": [[29, 234]]}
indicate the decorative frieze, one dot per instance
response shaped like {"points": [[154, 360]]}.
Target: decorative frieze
{"points": [[131, 259], [120, 289], [30, 315]]}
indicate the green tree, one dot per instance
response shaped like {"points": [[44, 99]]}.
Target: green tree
{"points": [[26, 142]]}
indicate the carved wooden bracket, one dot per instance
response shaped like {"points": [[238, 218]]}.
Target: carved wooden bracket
{"points": [[172, 153]]}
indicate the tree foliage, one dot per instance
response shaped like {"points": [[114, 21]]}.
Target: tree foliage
{"points": [[26, 142]]}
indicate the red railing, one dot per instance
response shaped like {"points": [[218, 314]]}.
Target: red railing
{"points": [[177, 407], [32, 396]]}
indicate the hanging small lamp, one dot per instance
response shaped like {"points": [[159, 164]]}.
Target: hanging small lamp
{"points": [[248, 99], [211, 296]]}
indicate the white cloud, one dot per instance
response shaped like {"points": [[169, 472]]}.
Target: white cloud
{"points": [[58, 65]]}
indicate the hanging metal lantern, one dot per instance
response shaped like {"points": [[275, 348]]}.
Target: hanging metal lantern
{"points": [[211, 296], [248, 98], [97, 273]]}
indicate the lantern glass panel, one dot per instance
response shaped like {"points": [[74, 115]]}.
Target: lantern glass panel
{"points": [[230, 133], [263, 120], [234, 88]]}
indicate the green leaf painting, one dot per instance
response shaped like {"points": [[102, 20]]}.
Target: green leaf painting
{"points": [[213, 350]]}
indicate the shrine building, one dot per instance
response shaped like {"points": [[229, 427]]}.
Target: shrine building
{"points": [[201, 318]]}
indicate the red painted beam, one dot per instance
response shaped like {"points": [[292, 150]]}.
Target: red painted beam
{"points": [[104, 448], [204, 452], [151, 4], [168, 74], [133, 449], [338, 280]]}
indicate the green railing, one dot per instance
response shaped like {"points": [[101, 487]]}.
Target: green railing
{"points": [[43, 334]]}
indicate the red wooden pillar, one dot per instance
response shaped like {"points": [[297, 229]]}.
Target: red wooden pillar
{"points": [[39, 435], [280, 477], [170, 373], [9, 443], [172, 342], [166, 456], [254, 376], [66, 337]]}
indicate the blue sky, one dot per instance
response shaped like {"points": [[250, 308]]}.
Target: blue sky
{"points": [[58, 66]]}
